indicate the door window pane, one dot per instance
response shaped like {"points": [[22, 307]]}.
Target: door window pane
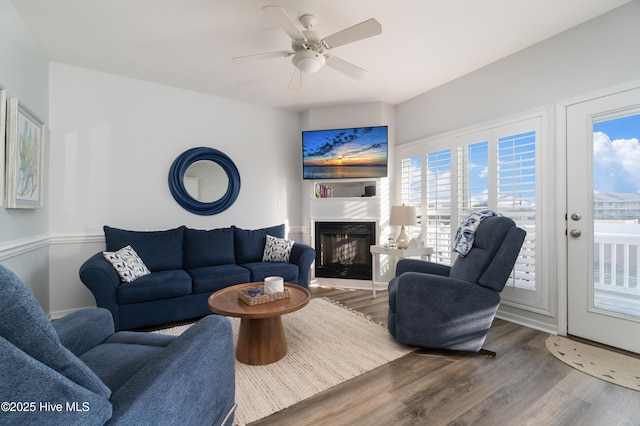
{"points": [[616, 215]]}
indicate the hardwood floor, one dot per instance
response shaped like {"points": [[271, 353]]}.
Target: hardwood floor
{"points": [[523, 385]]}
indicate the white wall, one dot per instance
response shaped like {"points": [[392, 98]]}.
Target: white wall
{"points": [[600, 53], [24, 233], [113, 140]]}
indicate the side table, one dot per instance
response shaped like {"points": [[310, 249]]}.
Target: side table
{"points": [[395, 253]]}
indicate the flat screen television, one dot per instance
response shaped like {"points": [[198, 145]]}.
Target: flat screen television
{"points": [[358, 152]]}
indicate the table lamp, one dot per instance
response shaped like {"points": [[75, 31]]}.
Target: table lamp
{"points": [[403, 216]]}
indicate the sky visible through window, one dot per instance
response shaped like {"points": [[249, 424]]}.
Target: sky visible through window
{"points": [[616, 155]]}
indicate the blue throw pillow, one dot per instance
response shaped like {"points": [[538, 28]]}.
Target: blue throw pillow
{"points": [[277, 249], [249, 244], [208, 248], [127, 264], [159, 250]]}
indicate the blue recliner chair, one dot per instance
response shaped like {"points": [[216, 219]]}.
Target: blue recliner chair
{"points": [[436, 306], [77, 371]]}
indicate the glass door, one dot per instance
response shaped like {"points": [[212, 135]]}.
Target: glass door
{"points": [[603, 202]]}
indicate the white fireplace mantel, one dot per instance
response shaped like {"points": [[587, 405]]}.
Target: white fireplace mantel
{"points": [[348, 204]]}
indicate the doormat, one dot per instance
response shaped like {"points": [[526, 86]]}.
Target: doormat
{"points": [[616, 368]]}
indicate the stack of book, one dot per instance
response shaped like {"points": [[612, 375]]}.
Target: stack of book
{"points": [[323, 191]]}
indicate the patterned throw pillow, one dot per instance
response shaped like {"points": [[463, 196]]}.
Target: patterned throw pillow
{"points": [[277, 249], [127, 263]]}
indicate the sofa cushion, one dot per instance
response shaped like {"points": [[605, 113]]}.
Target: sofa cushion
{"points": [[214, 278], [127, 263], [260, 270], [208, 248], [125, 360], [249, 244], [158, 285], [159, 250], [277, 249]]}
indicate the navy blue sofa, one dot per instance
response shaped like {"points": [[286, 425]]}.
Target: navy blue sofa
{"points": [[187, 266], [78, 371]]}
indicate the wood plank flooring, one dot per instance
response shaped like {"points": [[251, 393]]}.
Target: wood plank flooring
{"points": [[523, 385]]}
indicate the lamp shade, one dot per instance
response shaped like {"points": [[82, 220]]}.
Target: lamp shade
{"points": [[308, 61], [403, 216]]}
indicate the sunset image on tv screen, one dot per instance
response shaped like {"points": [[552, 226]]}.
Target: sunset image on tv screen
{"points": [[345, 153]]}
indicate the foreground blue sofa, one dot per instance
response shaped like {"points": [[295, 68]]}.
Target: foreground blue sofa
{"points": [[77, 371], [187, 266]]}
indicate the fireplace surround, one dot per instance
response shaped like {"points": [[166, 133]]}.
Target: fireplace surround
{"points": [[342, 249]]}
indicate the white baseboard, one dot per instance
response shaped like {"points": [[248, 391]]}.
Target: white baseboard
{"points": [[527, 322]]}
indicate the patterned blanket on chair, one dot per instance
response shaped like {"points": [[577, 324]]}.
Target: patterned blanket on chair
{"points": [[467, 230]]}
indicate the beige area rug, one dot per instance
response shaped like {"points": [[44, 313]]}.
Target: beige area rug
{"points": [[327, 344], [607, 365]]}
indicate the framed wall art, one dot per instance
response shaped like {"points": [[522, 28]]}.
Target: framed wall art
{"points": [[25, 157], [3, 133]]}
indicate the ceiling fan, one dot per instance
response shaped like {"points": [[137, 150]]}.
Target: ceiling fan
{"points": [[308, 48]]}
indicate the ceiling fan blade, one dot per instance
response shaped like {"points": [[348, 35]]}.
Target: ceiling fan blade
{"points": [[280, 17], [347, 68], [261, 56], [296, 80], [359, 31]]}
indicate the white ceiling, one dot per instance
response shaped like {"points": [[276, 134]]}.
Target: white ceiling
{"points": [[189, 43]]}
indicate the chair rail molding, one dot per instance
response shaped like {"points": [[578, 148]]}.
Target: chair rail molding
{"points": [[25, 245], [76, 238], [21, 246]]}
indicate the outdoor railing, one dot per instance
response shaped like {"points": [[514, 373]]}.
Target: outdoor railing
{"points": [[615, 272], [616, 260]]}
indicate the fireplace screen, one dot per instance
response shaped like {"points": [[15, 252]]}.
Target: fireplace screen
{"points": [[342, 249]]}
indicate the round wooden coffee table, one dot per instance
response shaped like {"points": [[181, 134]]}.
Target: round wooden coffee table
{"points": [[261, 339]]}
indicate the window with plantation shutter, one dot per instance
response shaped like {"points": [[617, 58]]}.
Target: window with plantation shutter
{"points": [[473, 178], [516, 194], [493, 168], [437, 211], [411, 177]]}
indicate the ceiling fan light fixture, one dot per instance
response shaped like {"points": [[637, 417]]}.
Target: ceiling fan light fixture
{"points": [[308, 46], [308, 61]]}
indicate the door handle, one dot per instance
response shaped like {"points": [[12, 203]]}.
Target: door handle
{"points": [[576, 216], [575, 233]]}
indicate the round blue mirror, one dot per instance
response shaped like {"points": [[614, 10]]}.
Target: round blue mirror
{"points": [[204, 181]]}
